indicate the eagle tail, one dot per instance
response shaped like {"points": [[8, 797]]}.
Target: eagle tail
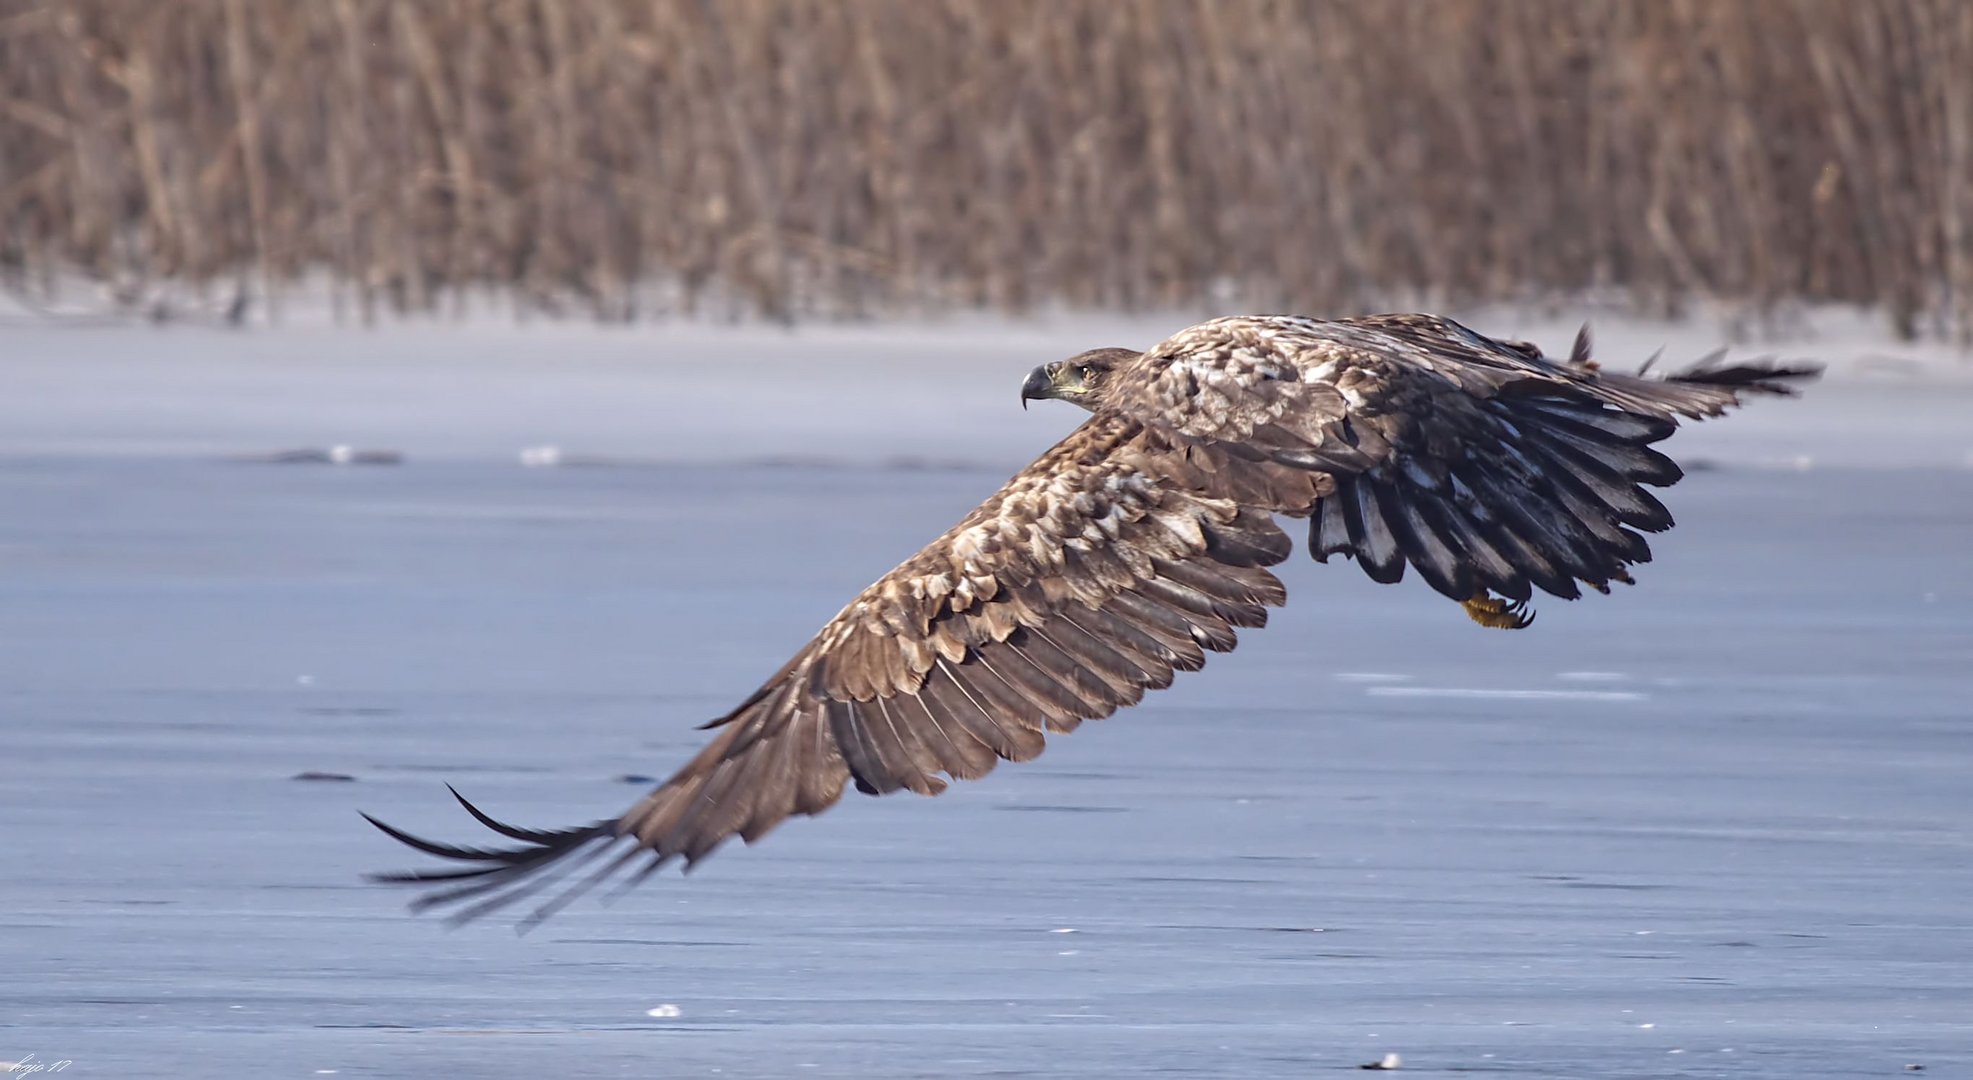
{"points": [[1706, 389]]}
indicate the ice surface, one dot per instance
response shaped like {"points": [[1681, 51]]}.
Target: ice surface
{"points": [[923, 396], [1720, 824]]}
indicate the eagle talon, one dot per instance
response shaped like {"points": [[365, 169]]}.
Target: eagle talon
{"points": [[1498, 614]]}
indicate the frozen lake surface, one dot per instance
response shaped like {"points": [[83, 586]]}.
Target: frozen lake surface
{"points": [[1720, 824]]}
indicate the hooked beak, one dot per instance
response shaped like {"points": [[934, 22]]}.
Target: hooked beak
{"points": [[1038, 387]]}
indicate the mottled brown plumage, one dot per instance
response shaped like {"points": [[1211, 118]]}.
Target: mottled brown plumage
{"points": [[1141, 542]]}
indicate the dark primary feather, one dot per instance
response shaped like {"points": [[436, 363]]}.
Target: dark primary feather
{"points": [[1139, 544]]}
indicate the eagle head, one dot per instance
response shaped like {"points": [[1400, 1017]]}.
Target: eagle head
{"points": [[1078, 380]]}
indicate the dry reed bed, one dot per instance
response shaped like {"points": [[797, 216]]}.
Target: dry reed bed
{"points": [[790, 157]]}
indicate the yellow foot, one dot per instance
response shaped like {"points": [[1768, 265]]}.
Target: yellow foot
{"points": [[1500, 614]]}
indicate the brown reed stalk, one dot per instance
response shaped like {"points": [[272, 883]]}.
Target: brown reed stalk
{"points": [[838, 157]]}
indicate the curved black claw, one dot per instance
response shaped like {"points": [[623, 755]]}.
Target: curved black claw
{"points": [[1524, 616]]}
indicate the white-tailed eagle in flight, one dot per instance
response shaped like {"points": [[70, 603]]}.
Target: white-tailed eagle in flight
{"points": [[1141, 542]]}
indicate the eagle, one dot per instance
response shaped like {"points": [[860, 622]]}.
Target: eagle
{"points": [[1139, 544]]}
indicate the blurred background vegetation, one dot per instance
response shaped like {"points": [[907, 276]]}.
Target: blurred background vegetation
{"points": [[791, 158]]}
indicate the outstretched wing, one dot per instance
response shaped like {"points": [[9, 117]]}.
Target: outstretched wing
{"points": [[1092, 576], [1482, 464], [1140, 543]]}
